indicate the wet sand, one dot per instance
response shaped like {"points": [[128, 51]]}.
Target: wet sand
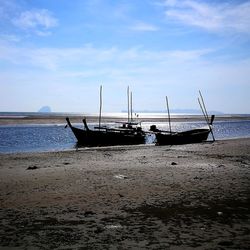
{"points": [[128, 197]]}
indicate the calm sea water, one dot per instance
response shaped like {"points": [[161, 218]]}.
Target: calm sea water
{"points": [[39, 138]]}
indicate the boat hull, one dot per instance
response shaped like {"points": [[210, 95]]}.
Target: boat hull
{"points": [[186, 137], [107, 138]]}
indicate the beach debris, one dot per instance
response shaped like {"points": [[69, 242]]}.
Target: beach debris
{"points": [[197, 178], [121, 176], [221, 166], [173, 163], [107, 155], [113, 226], [32, 167], [88, 213], [219, 213]]}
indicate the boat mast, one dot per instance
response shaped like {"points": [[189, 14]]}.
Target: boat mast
{"points": [[100, 110], [131, 107], [202, 105], [128, 102], [204, 111], [169, 119]]}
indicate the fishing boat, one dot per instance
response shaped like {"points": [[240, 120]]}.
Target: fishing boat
{"points": [[184, 137], [128, 133]]}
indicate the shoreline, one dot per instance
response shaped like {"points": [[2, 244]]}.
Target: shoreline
{"points": [[116, 147], [54, 119], [128, 197]]}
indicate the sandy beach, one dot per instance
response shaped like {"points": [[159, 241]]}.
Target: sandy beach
{"points": [[128, 197]]}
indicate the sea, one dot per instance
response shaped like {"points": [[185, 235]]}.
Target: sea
{"points": [[20, 138]]}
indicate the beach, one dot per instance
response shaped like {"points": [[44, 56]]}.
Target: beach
{"points": [[193, 196]]}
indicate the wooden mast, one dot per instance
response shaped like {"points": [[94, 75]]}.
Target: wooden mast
{"points": [[131, 108], [204, 111], [100, 109], [169, 119], [128, 101]]}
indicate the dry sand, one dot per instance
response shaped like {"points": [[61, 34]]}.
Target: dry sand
{"points": [[130, 197]]}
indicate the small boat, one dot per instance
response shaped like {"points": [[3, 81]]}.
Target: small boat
{"points": [[185, 137], [127, 134]]}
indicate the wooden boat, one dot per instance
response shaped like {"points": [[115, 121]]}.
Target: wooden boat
{"points": [[185, 137], [128, 134], [177, 138]]}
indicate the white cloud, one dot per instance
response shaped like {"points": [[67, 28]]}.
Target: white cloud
{"points": [[141, 26], [38, 20], [88, 56], [9, 38], [153, 74], [43, 33], [220, 17]]}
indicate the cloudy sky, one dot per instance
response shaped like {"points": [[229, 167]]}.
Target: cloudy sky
{"points": [[59, 52]]}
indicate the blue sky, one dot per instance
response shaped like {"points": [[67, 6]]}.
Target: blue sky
{"points": [[59, 52]]}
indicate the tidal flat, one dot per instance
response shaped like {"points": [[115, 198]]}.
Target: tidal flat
{"points": [[193, 196]]}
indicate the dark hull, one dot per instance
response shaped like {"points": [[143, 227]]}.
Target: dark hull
{"points": [[107, 138], [191, 136]]}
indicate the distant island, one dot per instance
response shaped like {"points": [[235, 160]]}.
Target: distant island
{"points": [[176, 111], [45, 109]]}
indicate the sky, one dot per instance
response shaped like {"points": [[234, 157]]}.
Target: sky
{"points": [[58, 53]]}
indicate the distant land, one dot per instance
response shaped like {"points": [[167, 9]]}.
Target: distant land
{"points": [[176, 111], [45, 109]]}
